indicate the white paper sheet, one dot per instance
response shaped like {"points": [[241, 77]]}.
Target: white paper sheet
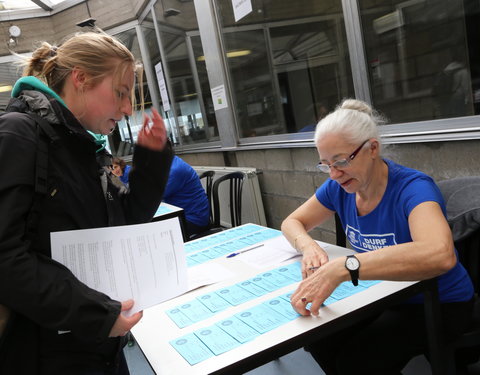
{"points": [[206, 274], [241, 8], [272, 253], [144, 262]]}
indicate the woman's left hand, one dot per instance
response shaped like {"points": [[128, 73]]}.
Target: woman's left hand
{"points": [[153, 137], [313, 258]]}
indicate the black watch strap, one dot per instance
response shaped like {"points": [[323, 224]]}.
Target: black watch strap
{"points": [[354, 275]]}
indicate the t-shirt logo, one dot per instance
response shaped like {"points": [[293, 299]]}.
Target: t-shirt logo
{"points": [[368, 242]]}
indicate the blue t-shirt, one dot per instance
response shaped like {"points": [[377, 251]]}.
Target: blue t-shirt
{"points": [[124, 176], [387, 224], [185, 190]]}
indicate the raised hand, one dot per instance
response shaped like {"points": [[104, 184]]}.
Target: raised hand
{"points": [[153, 137]]}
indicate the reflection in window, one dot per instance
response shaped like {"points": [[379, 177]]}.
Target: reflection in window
{"points": [[423, 58], [155, 59], [193, 126], [290, 72], [212, 130], [313, 70], [252, 80], [122, 139], [189, 115], [10, 72]]}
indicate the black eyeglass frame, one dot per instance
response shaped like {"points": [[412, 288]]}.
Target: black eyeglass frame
{"points": [[321, 165]]}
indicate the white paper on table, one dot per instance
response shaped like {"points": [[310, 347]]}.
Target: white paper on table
{"points": [[272, 253], [206, 274], [143, 262]]}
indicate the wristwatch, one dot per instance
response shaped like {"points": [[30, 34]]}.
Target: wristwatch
{"points": [[352, 264]]}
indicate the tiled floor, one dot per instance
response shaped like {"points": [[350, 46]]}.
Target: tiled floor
{"points": [[286, 365]]}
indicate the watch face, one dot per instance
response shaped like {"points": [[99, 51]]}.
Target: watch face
{"points": [[352, 263], [14, 31]]}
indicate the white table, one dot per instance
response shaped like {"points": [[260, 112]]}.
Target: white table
{"points": [[156, 329]]}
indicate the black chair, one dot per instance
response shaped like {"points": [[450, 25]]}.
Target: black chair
{"points": [[235, 180], [208, 175], [462, 198]]}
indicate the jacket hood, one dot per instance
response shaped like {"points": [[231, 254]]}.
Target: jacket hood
{"points": [[35, 93]]}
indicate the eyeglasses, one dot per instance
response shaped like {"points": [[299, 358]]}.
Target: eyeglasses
{"points": [[342, 163]]}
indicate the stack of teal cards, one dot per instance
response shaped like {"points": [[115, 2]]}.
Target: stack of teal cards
{"points": [[221, 244], [246, 325]]}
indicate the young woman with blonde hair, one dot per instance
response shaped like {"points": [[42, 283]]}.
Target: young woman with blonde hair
{"points": [[70, 95]]}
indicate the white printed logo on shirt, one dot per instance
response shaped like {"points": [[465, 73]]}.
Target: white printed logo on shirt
{"points": [[368, 242]]}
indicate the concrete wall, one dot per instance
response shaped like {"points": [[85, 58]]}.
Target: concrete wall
{"points": [[53, 29], [289, 176]]}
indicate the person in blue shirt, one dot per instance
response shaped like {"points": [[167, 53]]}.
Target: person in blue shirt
{"points": [[121, 169], [185, 190], [395, 219]]}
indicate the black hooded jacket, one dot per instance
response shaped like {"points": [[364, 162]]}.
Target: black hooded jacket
{"points": [[43, 295]]}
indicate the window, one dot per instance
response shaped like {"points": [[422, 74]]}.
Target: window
{"points": [[10, 72], [123, 137], [288, 63], [185, 70], [422, 57]]}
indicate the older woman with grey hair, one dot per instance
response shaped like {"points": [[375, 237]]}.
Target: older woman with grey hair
{"points": [[394, 218]]}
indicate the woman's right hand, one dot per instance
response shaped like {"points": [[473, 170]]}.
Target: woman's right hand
{"points": [[153, 137], [313, 258], [123, 324]]}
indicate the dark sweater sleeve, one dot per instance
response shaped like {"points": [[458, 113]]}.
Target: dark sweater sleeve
{"points": [[147, 180], [31, 283]]}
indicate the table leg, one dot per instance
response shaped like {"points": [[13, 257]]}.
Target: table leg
{"points": [[440, 359]]}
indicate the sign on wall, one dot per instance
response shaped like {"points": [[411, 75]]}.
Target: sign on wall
{"points": [[162, 86], [241, 8]]}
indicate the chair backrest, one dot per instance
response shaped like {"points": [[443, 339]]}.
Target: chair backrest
{"points": [[208, 189], [462, 199], [235, 180]]}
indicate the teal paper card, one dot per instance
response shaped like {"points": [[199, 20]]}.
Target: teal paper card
{"points": [[195, 310], [262, 282], [191, 348], [213, 302], [287, 296], [241, 331], [368, 283], [282, 307], [211, 253], [252, 288], [235, 295], [261, 318], [293, 270], [216, 339], [179, 318], [277, 278], [291, 273], [346, 289], [199, 258]]}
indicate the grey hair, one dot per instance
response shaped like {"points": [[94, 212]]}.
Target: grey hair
{"points": [[354, 119]]}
